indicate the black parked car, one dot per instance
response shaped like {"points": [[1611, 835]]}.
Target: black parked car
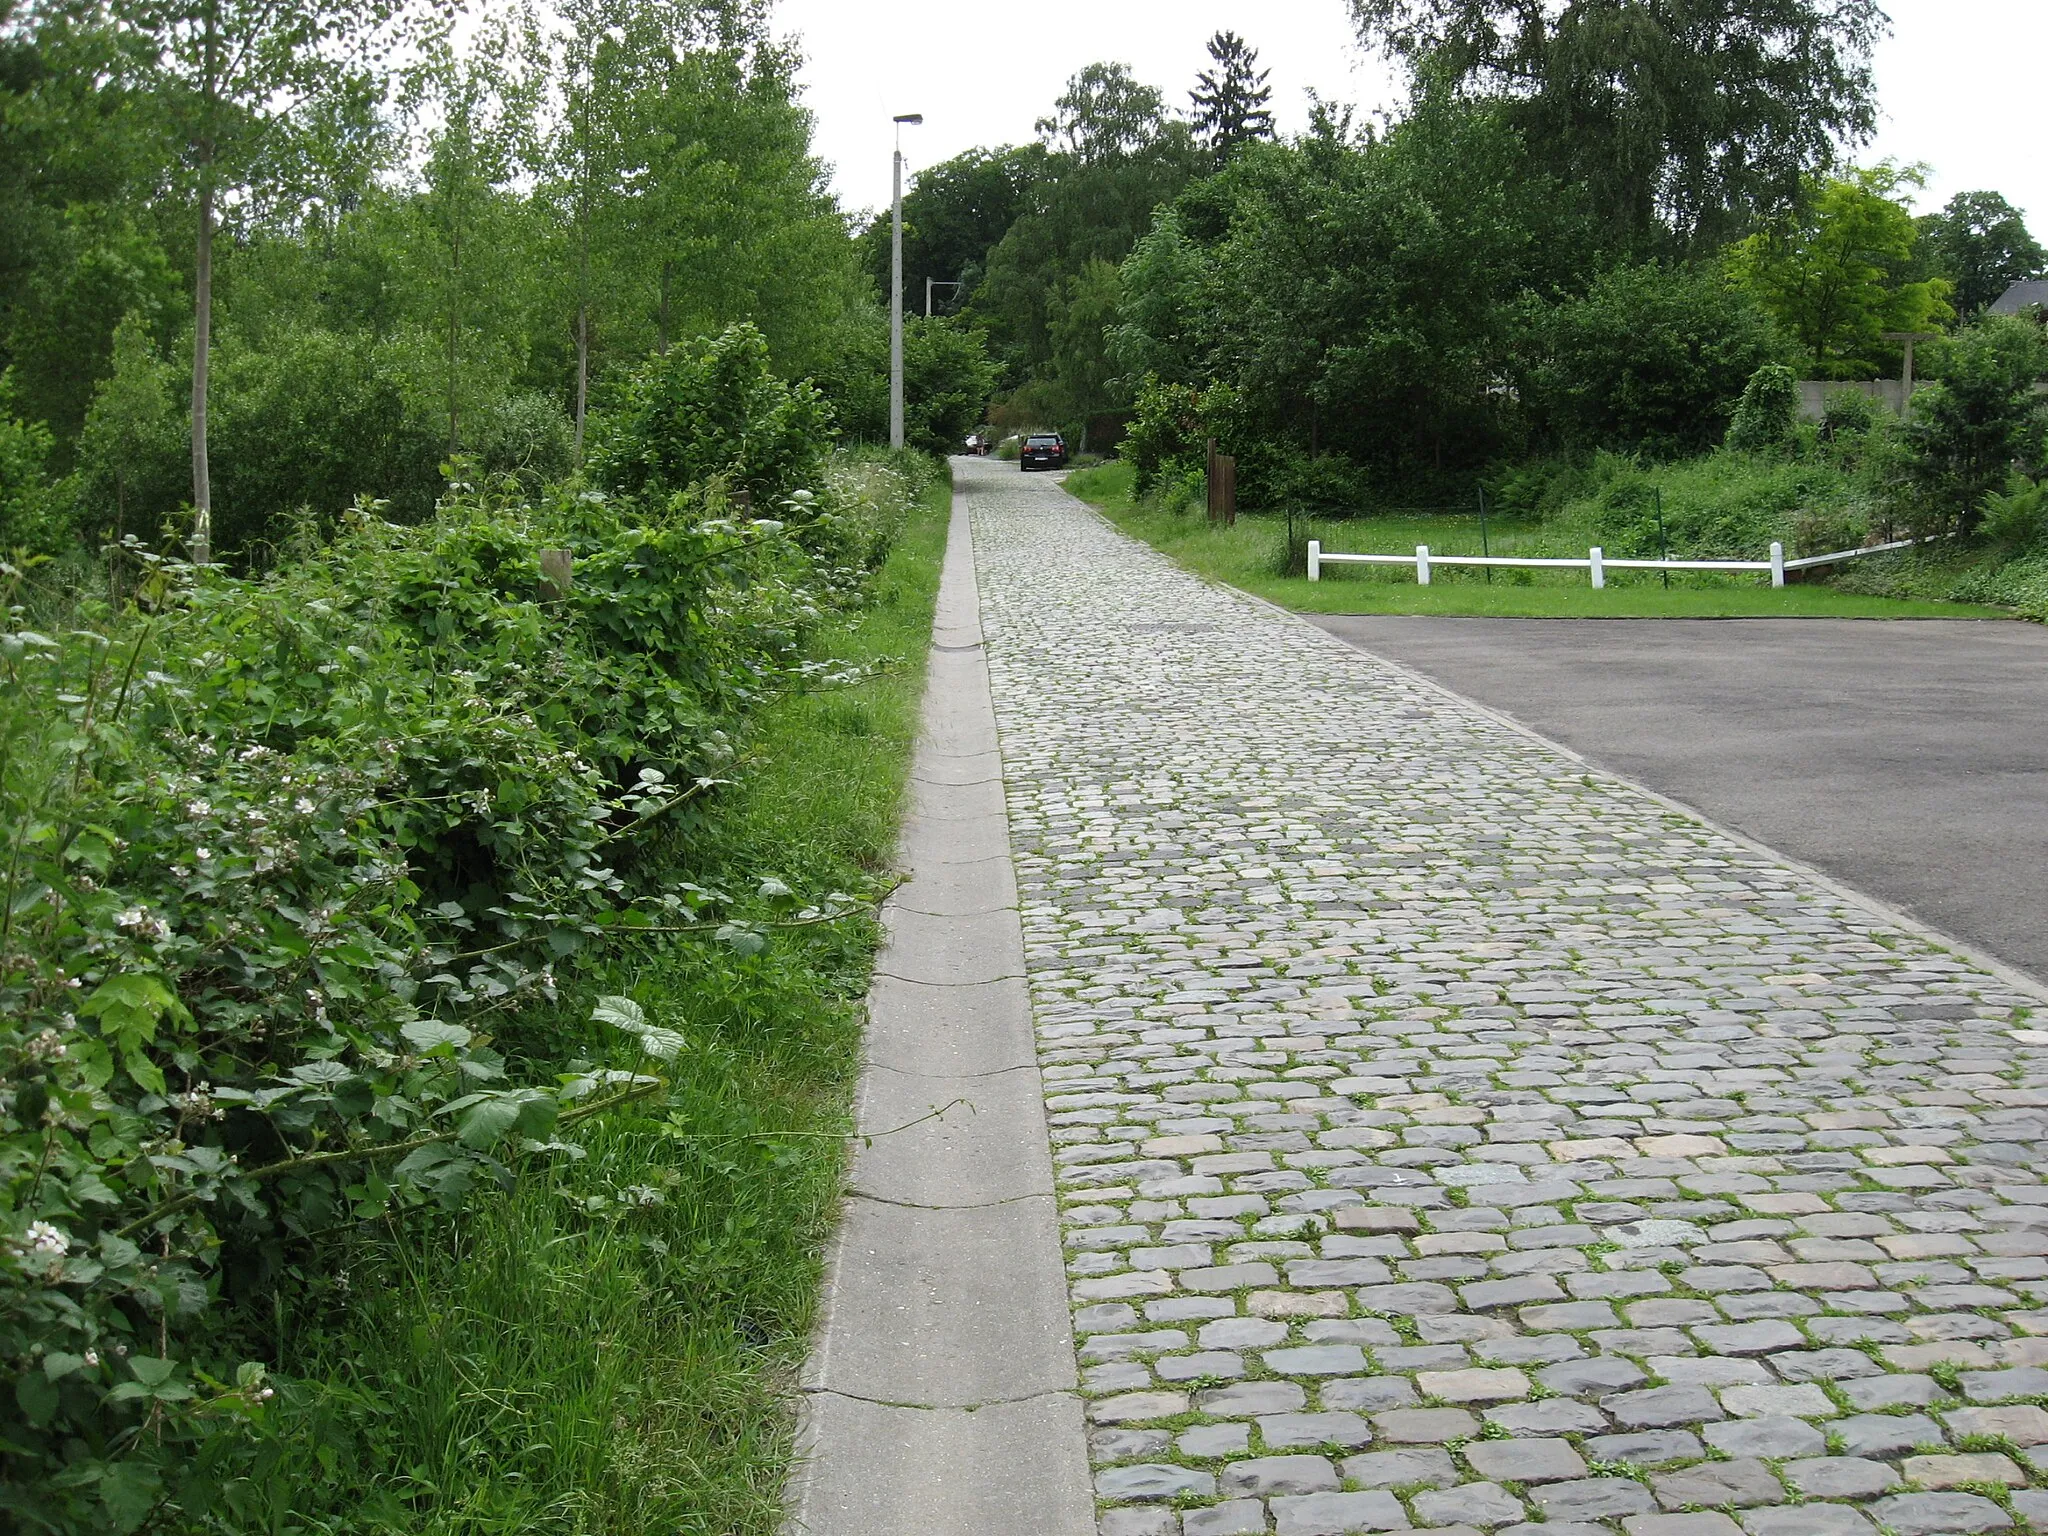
{"points": [[1043, 450]]}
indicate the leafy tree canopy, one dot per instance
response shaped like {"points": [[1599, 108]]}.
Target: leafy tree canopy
{"points": [[1686, 122], [1837, 274], [1981, 243], [1103, 114]]}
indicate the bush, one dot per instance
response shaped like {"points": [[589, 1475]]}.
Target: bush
{"points": [[32, 513], [2018, 518], [714, 408], [1653, 357], [291, 851], [1980, 420], [528, 436], [1767, 416]]}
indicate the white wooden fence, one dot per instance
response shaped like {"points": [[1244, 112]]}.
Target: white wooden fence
{"points": [[1596, 564]]}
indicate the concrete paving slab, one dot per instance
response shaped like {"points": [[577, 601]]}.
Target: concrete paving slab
{"points": [[926, 1472], [959, 949], [947, 1308], [987, 1146], [978, 768], [941, 1380], [951, 802], [927, 840], [949, 1031], [985, 885]]}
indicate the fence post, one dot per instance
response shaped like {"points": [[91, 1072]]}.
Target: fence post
{"points": [[1422, 565], [1315, 559], [1777, 564], [1599, 570]]}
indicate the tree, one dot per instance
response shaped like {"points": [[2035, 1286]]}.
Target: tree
{"points": [[1837, 274], [1103, 114], [483, 105], [1082, 360], [1650, 357], [1981, 244], [1689, 122], [232, 77], [1979, 419], [954, 214], [1230, 100]]}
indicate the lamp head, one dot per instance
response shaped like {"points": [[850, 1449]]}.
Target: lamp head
{"points": [[911, 117]]}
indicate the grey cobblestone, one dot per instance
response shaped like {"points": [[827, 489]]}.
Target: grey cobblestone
{"points": [[1416, 1092]]}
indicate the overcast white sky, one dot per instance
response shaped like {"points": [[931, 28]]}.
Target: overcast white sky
{"points": [[1959, 82]]}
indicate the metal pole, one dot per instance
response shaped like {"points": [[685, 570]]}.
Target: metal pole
{"points": [[927, 298], [896, 298], [1663, 544], [1484, 547]]}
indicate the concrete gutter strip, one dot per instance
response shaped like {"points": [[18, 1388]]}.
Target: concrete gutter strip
{"points": [[940, 1398]]}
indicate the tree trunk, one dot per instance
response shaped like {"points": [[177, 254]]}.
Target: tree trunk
{"points": [[202, 345], [454, 332]]}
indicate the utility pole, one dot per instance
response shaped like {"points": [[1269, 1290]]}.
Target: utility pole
{"points": [[896, 287]]}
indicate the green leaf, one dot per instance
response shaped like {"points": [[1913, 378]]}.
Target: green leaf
{"points": [[144, 1071], [619, 1012], [128, 1005], [150, 1370], [483, 1125], [130, 1490], [427, 1036], [37, 1397]]}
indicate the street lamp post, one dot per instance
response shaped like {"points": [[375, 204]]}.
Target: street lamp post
{"points": [[896, 287]]}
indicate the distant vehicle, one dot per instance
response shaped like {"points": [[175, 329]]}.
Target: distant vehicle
{"points": [[977, 443], [1043, 450]]}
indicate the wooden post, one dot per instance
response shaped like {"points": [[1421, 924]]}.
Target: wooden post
{"points": [[557, 574], [1222, 485]]}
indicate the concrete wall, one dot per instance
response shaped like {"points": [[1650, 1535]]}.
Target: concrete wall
{"points": [[1813, 393]]}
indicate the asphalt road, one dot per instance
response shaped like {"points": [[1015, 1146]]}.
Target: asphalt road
{"points": [[1906, 758]]}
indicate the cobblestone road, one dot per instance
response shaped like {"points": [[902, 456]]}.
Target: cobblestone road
{"points": [[1451, 1138]]}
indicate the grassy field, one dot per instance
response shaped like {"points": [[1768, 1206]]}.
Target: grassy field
{"points": [[610, 1346], [1251, 555]]}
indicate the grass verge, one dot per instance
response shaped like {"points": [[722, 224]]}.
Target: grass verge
{"points": [[609, 1346], [1251, 555]]}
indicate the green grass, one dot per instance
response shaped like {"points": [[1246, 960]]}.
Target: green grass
{"points": [[610, 1346], [1250, 556]]}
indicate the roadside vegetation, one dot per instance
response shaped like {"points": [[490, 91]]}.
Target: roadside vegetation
{"points": [[1524, 284], [1264, 553]]}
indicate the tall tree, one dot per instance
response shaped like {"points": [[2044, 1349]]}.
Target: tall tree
{"points": [[1839, 273], [481, 105], [1981, 243], [1687, 122], [1104, 114], [1230, 100], [234, 78]]}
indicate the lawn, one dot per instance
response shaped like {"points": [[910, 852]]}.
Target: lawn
{"points": [[1251, 556]]}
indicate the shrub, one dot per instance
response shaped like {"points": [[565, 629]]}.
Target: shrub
{"points": [[1978, 421], [1652, 357], [714, 408], [2018, 518], [289, 850], [525, 435], [1767, 416], [31, 508]]}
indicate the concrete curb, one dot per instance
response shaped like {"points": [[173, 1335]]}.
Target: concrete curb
{"points": [[940, 1396]]}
